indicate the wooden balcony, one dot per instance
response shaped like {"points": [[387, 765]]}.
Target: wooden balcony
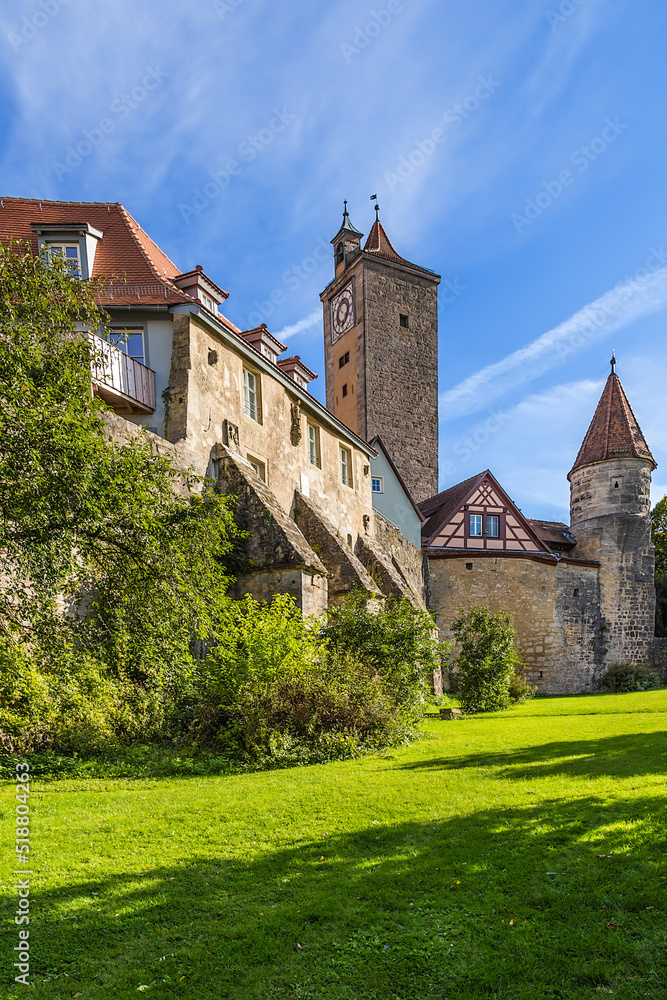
{"points": [[124, 383]]}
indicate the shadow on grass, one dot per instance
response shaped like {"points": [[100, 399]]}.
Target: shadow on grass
{"points": [[540, 902], [624, 755]]}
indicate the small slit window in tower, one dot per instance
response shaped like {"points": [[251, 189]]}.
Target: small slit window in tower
{"points": [[468, 565], [345, 389], [617, 483], [340, 253], [404, 321], [575, 593]]}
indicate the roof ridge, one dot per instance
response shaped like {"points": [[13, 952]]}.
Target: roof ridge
{"points": [[129, 220]]}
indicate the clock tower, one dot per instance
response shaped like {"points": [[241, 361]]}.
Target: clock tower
{"points": [[381, 351]]}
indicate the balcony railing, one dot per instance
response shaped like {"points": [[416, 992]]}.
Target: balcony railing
{"points": [[123, 382]]}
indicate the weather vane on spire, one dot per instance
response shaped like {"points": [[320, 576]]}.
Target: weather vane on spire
{"points": [[613, 362]]}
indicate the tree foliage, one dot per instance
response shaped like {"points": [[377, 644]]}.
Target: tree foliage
{"points": [[277, 687], [487, 658], [659, 538], [110, 558]]}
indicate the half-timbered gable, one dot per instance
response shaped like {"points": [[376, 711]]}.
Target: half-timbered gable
{"points": [[478, 515]]}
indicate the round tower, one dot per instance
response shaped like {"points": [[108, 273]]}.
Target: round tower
{"points": [[610, 503]]}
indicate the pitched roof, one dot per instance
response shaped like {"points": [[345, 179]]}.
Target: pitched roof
{"points": [[442, 508], [378, 443], [136, 267], [438, 509], [556, 534], [379, 244], [614, 431]]}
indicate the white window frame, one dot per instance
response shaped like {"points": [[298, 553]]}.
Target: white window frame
{"points": [[313, 445], [257, 466], [122, 345], [346, 475], [377, 479], [496, 518], [63, 246], [252, 395], [478, 524]]}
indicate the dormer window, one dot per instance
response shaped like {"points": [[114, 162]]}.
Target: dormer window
{"points": [[268, 353], [209, 303], [70, 253], [74, 242], [295, 369]]}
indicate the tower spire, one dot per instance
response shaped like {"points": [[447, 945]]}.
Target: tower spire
{"points": [[614, 432]]}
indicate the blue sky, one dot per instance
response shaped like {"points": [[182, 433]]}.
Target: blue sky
{"points": [[516, 146]]}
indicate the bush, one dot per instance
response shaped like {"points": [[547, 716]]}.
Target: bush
{"points": [[277, 688], [399, 641], [520, 690], [487, 659], [629, 677]]}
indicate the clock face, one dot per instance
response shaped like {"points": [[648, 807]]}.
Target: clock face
{"points": [[342, 313]]}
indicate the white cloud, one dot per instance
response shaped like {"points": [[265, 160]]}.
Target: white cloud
{"points": [[622, 305], [529, 447], [312, 319]]}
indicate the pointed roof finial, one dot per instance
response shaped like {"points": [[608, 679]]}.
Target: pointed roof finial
{"points": [[614, 432], [613, 362], [346, 225]]}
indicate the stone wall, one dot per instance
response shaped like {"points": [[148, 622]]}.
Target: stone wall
{"points": [[555, 606], [392, 375], [408, 560], [206, 408], [401, 370], [610, 504]]}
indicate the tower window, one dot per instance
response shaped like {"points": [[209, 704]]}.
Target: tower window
{"points": [[340, 253], [493, 526], [403, 321], [475, 525], [345, 389], [343, 359], [575, 592], [468, 565]]}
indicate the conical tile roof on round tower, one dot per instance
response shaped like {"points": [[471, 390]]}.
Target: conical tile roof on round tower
{"points": [[614, 431]]}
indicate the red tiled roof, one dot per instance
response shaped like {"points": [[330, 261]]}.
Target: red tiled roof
{"points": [[125, 255], [614, 431], [556, 534], [295, 362], [438, 509], [379, 244]]}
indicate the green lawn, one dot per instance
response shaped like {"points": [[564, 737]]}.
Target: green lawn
{"points": [[519, 855]]}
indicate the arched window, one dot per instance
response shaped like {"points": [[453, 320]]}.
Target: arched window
{"points": [[340, 253]]}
